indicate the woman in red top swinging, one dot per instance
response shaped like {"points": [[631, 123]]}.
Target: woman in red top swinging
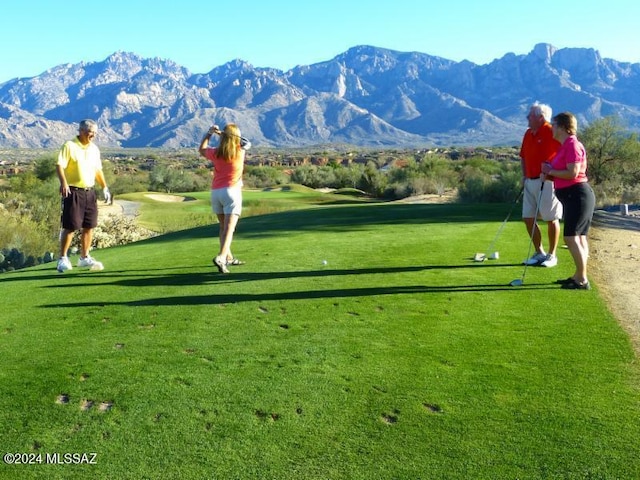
{"points": [[226, 188]]}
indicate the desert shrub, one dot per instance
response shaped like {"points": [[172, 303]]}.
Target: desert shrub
{"points": [[129, 183], [163, 178], [263, 177], [114, 230], [45, 167], [373, 181], [347, 177], [631, 194], [479, 186], [27, 228], [24, 243]]}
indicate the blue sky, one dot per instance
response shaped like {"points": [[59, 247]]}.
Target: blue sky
{"points": [[39, 34]]}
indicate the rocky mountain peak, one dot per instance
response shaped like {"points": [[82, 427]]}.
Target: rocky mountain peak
{"points": [[364, 96]]}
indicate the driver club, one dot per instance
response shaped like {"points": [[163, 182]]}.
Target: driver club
{"points": [[244, 143], [518, 282]]}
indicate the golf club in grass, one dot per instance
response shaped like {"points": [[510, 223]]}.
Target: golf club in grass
{"points": [[481, 257], [518, 282]]}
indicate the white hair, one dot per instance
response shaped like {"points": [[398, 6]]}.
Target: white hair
{"points": [[542, 109]]}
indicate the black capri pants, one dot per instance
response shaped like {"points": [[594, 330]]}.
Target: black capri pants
{"points": [[578, 202]]}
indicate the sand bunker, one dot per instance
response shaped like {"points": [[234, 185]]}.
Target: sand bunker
{"points": [[162, 197]]}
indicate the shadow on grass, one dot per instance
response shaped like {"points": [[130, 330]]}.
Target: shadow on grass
{"points": [[201, 278], [146, 278], [149, 277], [350, 218], [305, 295]]}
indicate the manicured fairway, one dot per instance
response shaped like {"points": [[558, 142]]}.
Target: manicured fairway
{"points": [[398, 358]]}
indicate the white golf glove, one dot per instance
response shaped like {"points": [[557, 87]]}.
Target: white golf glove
{"points": [[245, 144], [107, 195]]}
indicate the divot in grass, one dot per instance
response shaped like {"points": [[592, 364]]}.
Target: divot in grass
{"points": [[62, 399], [433, 407], [390, 418], [262, 415], [86, 405]]}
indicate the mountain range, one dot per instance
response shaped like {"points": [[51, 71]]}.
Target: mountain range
{"points": [[366, 96]]}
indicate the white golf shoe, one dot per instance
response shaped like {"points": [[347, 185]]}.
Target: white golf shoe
{"points": [[550, 261], [537, 259], [90, 262], [64, 264]]}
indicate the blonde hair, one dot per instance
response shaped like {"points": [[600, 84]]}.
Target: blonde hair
{"points": [[567, 121], [229, 145]]}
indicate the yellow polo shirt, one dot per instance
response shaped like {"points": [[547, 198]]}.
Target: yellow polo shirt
{"points": [[81, 163]]}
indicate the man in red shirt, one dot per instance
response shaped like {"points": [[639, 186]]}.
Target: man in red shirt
{"points": [[538, 147]]}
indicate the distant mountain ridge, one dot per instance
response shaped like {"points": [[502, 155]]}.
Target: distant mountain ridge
{"points": [[366, 96]]}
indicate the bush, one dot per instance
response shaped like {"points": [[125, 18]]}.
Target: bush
{"points": [[263, 177], [114, 230]]}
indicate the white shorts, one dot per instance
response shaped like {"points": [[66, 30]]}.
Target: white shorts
{"points": [[550, 206], [227, 200]]}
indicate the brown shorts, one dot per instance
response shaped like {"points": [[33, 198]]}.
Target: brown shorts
{"points": [[80, 209]]}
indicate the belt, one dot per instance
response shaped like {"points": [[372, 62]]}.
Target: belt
{"points": [[533, 178], [80, 189]]}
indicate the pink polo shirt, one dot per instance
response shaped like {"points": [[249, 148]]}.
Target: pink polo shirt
{"points": [[571, 151], [226, 174]]}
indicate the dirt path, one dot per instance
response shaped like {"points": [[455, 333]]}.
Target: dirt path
{"points": [[615, 267]]}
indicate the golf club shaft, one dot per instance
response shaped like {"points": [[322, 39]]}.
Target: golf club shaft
{"points": [[242, 139], [513, 206], [533, 230]]}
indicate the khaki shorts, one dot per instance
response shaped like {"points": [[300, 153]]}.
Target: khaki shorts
{"points": [[227, 200], [550, 207]]}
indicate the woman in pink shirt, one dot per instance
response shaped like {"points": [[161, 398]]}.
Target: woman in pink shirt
{"points": [[568, 170], [226, 188]]}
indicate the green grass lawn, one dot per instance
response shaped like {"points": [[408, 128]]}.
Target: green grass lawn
{"points": [[195, 210], [398, 358]]}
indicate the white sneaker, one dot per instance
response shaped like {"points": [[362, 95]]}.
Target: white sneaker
{"points": [[551, 261], [90, 262], [221, 264], [64, 264], [537, 259]]}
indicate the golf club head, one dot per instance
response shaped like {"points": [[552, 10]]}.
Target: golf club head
{"points": [[494, 256], [516, 283], [479, 257]]}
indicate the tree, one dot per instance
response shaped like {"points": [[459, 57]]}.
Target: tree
{"points": [[45, 167], [612, 152]]}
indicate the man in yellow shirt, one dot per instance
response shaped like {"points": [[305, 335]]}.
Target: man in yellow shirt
{"points": [[79, 167]]}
